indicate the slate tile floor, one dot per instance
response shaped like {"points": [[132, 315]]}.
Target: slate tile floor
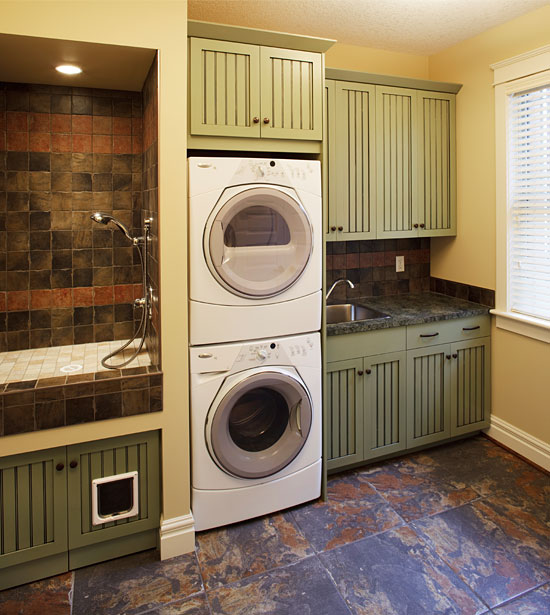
{"points": [[462, 529]]}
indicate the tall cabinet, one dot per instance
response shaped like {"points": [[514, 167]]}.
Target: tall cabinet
{"points": [[390, 157]]}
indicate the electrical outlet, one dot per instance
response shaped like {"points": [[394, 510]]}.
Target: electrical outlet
{"points": [[399, 263]]}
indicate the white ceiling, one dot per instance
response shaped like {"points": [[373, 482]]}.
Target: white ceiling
{"points": [[411, 26]]}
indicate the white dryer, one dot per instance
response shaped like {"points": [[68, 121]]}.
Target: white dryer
{"points": [[255, 248], [255, 428]]}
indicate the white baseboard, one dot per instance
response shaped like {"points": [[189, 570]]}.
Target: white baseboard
{"points": [[177, 536], [521, 442]]}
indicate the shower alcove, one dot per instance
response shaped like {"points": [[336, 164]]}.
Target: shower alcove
{"points": [[71, 146]]}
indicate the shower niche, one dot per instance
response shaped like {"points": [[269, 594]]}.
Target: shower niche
{"points": [[79, 269]]}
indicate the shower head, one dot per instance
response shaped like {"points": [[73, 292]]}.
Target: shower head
{"points": [[106, 218]]}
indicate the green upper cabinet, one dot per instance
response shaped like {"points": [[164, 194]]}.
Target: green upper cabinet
{"points": [[390, 156], [437, 174], [397, 162], [225, 88], [243, 90]]}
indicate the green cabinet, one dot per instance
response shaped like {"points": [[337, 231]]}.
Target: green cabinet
{"points": [[243, 90], [418, 393], [391, 153], [46, 511]]}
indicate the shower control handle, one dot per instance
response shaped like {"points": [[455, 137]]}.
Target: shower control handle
{"points": [[140, 303]]}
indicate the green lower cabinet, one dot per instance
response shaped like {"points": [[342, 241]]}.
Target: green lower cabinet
{"points": [[46, 506], [470, 385], [385, 429]]}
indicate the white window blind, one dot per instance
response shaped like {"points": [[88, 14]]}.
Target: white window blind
{"points": [[529, 202]]}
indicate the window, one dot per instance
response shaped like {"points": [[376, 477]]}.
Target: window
{"points": [[523, 194]]}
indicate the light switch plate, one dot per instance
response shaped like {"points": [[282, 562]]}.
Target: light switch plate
{"points": [[399, 263]]}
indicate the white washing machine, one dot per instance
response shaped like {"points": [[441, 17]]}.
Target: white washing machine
{"points": [[255, 428], [255, 248]]}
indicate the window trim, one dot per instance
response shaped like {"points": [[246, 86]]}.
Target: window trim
{"points": [[513, 75]]}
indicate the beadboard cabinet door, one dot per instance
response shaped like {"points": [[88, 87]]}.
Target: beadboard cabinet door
{"points": [[437, 164], [330, 181], [344, 412], [385, 404], [224, 95], [470, 385], [397, 162], [291, 94], [33, 515]]}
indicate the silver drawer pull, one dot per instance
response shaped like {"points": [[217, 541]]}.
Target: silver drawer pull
{"points": [[471, 328], [428, 334], [205, 355]]}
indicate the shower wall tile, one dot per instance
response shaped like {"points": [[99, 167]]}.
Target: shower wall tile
{"points": [[65, 153]]}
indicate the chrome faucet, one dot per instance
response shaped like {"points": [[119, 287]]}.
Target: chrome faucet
{"points": [[338, 281]]}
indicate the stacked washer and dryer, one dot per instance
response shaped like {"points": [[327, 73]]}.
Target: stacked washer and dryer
{"points": [[255, 353]]}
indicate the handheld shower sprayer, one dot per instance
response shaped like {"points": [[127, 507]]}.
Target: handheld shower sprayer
{"points": [[102, 218]]}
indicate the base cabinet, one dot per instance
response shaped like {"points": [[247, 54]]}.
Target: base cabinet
{"points": [[391, 402], [46, 506]]}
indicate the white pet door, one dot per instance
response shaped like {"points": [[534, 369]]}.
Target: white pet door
{"points": [[259, 242], [115, 497]]}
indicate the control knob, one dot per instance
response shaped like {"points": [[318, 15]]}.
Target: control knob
{"points": [[261, 354]]}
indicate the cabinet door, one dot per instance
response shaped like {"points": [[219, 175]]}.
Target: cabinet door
{"points": [[329, 162], [292, 94], [355, 160], [138, 452], [470, 385], [428, 395], [385, 429], [33, 512], [437, 165], [344, 412], [397, 162], [224, 88]]}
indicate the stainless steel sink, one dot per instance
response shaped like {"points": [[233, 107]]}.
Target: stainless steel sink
{"points": [[349, 312]]}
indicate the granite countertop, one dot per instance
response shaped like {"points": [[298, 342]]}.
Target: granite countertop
{"points": [[406, 310]]}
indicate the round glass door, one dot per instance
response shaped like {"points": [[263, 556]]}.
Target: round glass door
{"points": [[260, 425], [259, 242]]}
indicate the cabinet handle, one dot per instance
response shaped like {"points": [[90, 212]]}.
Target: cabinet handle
{"points": [[266, 120], [455, 356], [73, 464], [415, 225], [367, 371], [360, 372], [471, 328], [447, 356], [255, 120], [428, 334], [422, 225], [340, 228], [60, 466], [333, 228]]}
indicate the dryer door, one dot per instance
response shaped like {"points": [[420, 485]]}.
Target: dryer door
{"points": [[260, 425], [259, 242]]}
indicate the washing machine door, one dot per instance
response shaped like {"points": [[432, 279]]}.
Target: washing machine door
{"points": [[260, 424], [258, 243]]}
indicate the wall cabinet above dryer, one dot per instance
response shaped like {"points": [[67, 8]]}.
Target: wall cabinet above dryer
{"points": [[391, 157], [249, 96]]}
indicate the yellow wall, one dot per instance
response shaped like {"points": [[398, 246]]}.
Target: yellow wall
{"points": [[521, 385], [158, 25], [352, 57]]}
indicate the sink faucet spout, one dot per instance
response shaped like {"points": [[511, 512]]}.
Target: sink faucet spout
{"points": [[339, 281]]}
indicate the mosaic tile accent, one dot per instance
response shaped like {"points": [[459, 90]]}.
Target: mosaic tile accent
{"points": [[396, 573], [135, 584], [244, 549], [477, 294]]}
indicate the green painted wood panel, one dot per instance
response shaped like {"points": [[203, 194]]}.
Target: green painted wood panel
{"points": [[291, 94], [355, 345], [428, 395], [470, 386], [105, 458], [33, 507], [344, 408], [330, 179], [437, 164], [224, 82], [385, 429], [355, 161], [396, 162]]}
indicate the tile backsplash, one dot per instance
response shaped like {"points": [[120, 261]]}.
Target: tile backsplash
{"points": [[370, 265]]}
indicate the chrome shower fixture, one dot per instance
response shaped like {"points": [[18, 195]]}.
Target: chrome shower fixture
{"points": [[102, 218]]}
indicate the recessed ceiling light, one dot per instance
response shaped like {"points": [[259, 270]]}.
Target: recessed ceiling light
{"points": [[68, 69]]}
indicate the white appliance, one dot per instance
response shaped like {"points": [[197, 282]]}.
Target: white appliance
{"points": [[255, 427], [255, 248]]}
